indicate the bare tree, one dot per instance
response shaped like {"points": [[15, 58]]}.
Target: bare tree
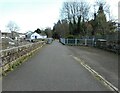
{"points": [[75, 12], [13, 27], [72, 10]]}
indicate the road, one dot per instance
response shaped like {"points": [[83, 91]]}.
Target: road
{"points": [[105, 63], [52, 69]]}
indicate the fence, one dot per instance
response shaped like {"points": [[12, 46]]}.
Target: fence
{"points": [[98, 43], [88, 42], [9, 56]]}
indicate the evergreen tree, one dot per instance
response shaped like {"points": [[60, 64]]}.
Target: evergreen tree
{"points": [[38, 31], [101, 22]]}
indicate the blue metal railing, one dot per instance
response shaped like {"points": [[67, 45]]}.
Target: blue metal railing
{"points": [[98, 43], [89, 42]]}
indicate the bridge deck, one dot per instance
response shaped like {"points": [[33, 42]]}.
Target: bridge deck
{"points": [[52, 69]]}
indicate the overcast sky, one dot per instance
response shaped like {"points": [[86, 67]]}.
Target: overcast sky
{"points": [[33, 14]]}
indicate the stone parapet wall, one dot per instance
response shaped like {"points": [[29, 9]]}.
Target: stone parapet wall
{"points": [[14, 56]]}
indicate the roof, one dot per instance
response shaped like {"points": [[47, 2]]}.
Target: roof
{"points": [[6, 32]]}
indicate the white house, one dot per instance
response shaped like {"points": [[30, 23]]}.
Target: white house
{"points": [[36, 36], [33, 35]]}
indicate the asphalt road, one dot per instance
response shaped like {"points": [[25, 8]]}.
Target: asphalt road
{"points": [[105, 63], [52, 69]]}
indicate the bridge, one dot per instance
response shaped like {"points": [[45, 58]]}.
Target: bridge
{"points": [[56, 67]]}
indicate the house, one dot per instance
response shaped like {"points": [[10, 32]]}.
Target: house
{"points": [[5, 34], [11, 39], [36, 36], [13, 35], [30, 36], [6, 40]]}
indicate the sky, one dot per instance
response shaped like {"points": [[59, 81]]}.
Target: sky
{"points": [[32, 14]]}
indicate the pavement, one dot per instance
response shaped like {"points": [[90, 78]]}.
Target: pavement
{"points": [[52, 68]]}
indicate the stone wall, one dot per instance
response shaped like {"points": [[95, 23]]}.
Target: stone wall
{"points": [[15, 56]]}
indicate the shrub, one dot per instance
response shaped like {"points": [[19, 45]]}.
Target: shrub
{"points": [[70, 36]]}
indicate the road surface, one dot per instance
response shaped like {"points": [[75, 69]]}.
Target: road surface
{"points": [[52, 69], [105, 63]]}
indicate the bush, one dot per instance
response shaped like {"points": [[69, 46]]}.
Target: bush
{"points": [[70, 36]]}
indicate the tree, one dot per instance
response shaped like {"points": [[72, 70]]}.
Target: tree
{"points": [[104, 6], [13, 27], [112, 26], [57, 30], [61, 28], [75, 12], [38, 31], [64, 28], [89, 28], [48, 32], [102, 24]]}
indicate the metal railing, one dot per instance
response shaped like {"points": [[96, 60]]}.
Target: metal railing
{"points": [[89, 42], [98, 43]]}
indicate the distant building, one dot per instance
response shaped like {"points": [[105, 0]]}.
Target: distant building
{"points": [[6, 34], [14, 35], [11, 39]]}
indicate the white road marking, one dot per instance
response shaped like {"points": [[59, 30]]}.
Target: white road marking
{"points": [[103, 80]]}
